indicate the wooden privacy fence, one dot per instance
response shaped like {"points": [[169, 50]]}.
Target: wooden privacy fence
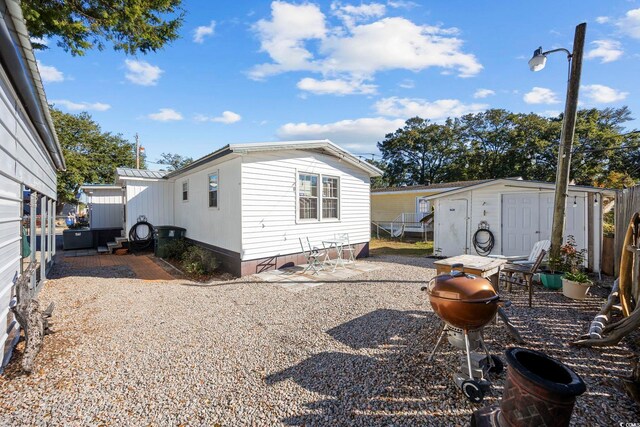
{"points": [[627, 203]]}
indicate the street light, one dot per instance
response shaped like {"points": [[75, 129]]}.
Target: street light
{"points": [[539, 58], [537, 63]]}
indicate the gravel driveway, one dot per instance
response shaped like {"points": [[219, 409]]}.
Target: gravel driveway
{"points": [[130, 352]]}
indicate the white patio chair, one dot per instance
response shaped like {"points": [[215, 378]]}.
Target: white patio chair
{"points": [[348, 250], [542, 245], [314, 257]]}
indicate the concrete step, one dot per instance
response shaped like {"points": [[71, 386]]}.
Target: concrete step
{"points": [[121, 239], [113, 245], [103, 250]]}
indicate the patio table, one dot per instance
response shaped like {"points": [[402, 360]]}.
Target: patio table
{"points": [[337, 244]]}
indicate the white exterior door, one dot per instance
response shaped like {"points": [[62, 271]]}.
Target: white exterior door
{"points": [[527, 218], [575, 219], [520, 223], [452, 227]]}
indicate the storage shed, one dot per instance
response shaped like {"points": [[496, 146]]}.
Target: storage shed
{"points": [[30, 156], [518, 213], [250, 203]]}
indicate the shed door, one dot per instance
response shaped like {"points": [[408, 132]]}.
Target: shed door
{"points": [[575, 218], [452, 227], [520, 223]]}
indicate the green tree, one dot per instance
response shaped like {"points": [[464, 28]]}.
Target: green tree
{"points": [[91, 154], [174, 161], [418, 153], [131, 25]]}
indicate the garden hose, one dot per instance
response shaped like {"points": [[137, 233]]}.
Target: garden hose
{"points": [[485, 246], [137, 242]]}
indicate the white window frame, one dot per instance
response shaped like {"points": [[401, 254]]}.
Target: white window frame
{"points": [[186, 181], [330, 219], [209, 175], [320, 218]]}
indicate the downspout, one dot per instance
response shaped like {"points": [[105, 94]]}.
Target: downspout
{"points": [[18, 72]]}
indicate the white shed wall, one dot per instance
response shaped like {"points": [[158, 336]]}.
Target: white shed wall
{"points": [[269, 223], [153, 199], [106, 208], [214, 226], [486, 204]]}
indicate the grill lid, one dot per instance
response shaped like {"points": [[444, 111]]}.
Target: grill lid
{"points": [[464, 287]]}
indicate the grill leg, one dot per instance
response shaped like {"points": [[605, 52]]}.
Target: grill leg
{"points": [[486, 351], [444, 331], [466, 345]]}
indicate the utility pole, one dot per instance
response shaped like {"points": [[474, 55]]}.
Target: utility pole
{"points": [[566, 142], [137, 152]]}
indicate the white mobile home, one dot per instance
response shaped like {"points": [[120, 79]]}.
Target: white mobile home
{"points": [[250, 203], [30, 156], [518, 213]]}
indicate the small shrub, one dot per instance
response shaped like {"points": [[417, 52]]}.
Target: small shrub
{"points": [[196, 260], [175, 249]]}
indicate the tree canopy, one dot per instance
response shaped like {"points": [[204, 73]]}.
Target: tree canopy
{"points": [[499, 144], [91, 154], [174, 161], [132, 25]]}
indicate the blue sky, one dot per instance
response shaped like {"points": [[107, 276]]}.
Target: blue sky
{"points": [[258, 71]]}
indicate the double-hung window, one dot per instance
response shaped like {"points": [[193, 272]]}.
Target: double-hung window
{"points": [[308, 196], [329, 197], [213, 190], [318, 197], [185, 191]]}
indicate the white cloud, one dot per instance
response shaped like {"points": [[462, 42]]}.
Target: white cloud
{"points": [[203, 31], [335, 87], [142, 73], [353, 50], [80, 106], [357, 135], [350, 14], [227, 117], [630, 23], [483, 93], [541, 95], [407, 84], [40, 40], [436, 110], [606, 50], [551, 113], [166, 115], [601, 94], [50, 74], [602, 19]]}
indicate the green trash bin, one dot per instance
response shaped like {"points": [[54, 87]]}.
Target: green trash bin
{"points": [[165, 234]]}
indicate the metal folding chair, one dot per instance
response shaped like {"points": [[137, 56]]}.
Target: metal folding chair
{"points": [[314, 257]]}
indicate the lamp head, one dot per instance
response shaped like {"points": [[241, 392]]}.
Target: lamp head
{"points": [[538, 60]]}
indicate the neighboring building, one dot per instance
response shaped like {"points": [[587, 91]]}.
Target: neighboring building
{"points": [[250, 203], [398, 209], [30, 156], [518, 214]]}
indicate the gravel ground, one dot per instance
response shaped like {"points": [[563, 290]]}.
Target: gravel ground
{"points": [[130, 352]]}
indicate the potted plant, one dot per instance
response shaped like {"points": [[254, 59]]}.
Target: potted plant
{"points": [[575, 282], [552, 279]]}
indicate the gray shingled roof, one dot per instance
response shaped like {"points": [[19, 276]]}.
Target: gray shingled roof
{"points": [[140, 173], [455, 184]]}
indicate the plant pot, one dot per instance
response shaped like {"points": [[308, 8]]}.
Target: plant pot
{"points": [[539, 391], [551, 280], [575, 290]]}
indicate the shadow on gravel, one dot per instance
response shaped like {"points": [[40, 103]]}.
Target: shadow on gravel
{"points": [[398, 387]]}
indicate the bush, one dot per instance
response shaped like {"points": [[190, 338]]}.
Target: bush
{"points": [[175, 249], [196, 260]]}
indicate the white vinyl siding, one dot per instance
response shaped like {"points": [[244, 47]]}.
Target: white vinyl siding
{"points": [[153, 199], [218, 227], [23, 161], [105, 208], [270, 225]]}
